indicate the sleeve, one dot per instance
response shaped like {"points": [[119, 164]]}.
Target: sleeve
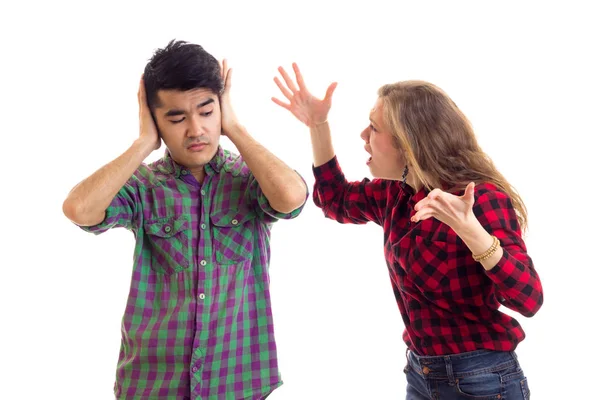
{"points": [[517, 282], [120, 213], [351, 202], [261, 205]]}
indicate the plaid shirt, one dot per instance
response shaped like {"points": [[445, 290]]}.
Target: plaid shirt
{"points": [[198, 322], [449, 302]]}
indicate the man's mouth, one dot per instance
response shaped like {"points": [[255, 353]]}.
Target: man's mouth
{"points": [[197, 146]]}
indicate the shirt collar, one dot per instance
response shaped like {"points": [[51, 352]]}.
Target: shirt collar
{"points": [[415, 197], [420, 195], [212, 167]]}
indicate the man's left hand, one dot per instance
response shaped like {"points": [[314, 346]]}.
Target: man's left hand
{"points": [[229, 121]]}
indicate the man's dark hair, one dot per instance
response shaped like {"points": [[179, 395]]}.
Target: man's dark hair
{"points": [[181, 66]]}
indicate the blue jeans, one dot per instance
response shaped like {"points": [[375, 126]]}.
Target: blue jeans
{"points": [[476, 375]]}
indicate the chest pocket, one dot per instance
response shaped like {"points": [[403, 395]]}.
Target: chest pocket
{"points": [[431, 265], [233, 235], [171, 244]]}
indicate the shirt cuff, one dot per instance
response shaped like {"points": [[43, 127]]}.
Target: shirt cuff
{"points": [[501, 272], [105, 225], [264, 205], [328, 172]]}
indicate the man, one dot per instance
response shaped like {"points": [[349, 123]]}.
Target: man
{"points": [[198, 322]]}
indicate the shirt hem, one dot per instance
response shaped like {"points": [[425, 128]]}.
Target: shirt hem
{"points": [[264, 393]]}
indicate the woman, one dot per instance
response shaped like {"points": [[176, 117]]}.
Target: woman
{"points": [[452, 228]]}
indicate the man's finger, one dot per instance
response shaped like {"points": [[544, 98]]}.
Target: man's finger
{"points": [[228, 78], [223, 66]]}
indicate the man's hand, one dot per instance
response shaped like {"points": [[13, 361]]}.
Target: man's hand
{"points": [[148, 130], [86, 204], [229, 121]]}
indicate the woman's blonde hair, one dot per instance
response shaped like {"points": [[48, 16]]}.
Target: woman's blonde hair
{"points": [[438, 141]]}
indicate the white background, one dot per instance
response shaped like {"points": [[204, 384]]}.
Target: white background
{"points": [[526, 74]]}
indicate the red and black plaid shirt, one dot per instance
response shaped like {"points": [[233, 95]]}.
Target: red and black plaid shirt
{"points": [[449, 302]]}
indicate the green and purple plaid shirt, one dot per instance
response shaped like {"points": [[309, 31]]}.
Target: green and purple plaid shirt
{"points": [[198, 322]]}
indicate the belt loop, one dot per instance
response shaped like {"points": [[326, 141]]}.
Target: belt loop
{"points": [[449, 370], [407, 362]]}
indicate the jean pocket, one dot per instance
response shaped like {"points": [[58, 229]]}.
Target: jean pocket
{"points": [[485, 386], [170, 243], [233, 236]]}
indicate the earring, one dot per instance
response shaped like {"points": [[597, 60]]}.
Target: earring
{"points": [[404, 174]]}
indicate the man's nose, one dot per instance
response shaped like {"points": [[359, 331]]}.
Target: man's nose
{"points": [[195, 127]]}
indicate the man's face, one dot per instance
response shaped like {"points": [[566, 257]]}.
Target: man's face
{"points": [[190, 125]]}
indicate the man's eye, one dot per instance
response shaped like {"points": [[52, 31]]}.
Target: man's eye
{"points": [[206, 114], [177, 121]]}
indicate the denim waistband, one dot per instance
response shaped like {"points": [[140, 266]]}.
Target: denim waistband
{"points": [[460, 365]]}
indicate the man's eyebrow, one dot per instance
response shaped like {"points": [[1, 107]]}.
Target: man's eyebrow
{"points": [[206, 102], [176, 112]]}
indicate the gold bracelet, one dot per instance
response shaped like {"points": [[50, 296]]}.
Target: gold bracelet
{"points": [[490, 252]]}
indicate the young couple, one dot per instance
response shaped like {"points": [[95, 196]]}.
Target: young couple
{"points": [[198, 321]]}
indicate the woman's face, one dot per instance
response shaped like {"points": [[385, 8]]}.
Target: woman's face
{"points": [[386, 161]]}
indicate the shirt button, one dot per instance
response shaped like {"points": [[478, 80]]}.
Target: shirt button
{"points": [[194, 370], [203, 192], [167, 229], [184, 172], [235, 221], [203, 226], [203, 262], [201, 296]]}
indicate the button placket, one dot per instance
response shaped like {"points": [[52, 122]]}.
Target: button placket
{"points": [[204, 266]]}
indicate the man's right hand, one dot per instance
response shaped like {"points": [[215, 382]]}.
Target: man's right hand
{"points": [[87, 202], [148, 130]]}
